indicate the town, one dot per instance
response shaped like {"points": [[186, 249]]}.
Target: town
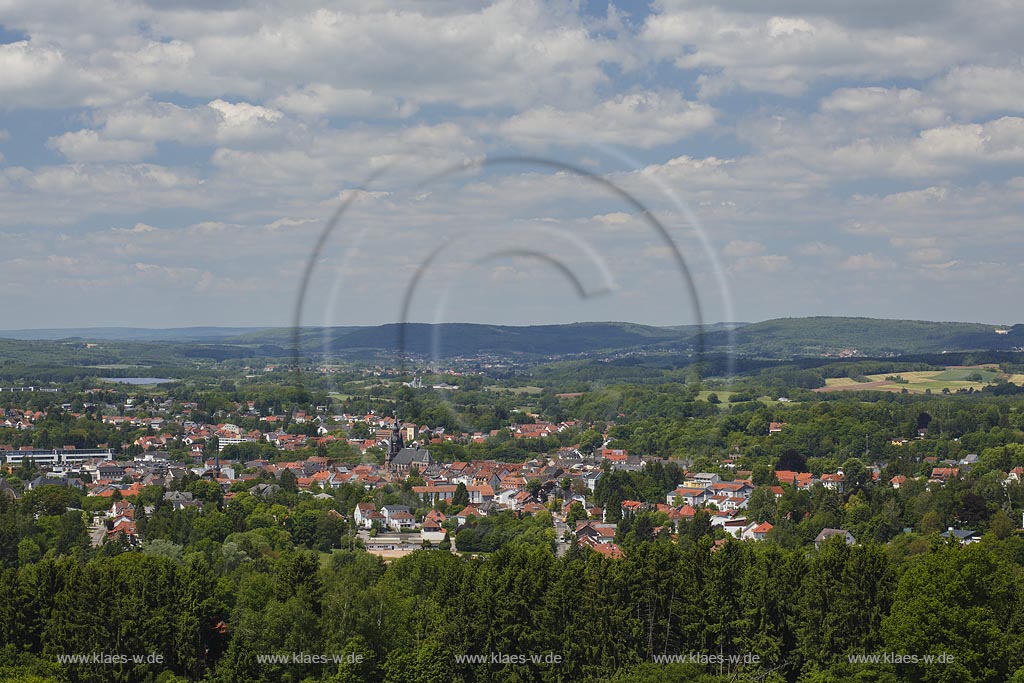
{"points": [[412, 499]]}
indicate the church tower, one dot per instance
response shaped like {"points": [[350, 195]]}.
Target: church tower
{"points": [[395, 443]]}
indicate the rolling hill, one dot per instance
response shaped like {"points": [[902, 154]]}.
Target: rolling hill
{"points": [[821, 336], [780, 338]]}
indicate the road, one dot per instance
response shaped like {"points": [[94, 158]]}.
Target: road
{"points": [[562, 548]]}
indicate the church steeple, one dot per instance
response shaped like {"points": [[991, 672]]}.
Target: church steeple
{"points": [[395, 443]]}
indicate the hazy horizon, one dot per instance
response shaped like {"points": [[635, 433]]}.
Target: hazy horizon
{"points": [[254, 327]]}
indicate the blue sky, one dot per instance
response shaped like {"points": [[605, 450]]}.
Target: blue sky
{"points": [[173, 163]]}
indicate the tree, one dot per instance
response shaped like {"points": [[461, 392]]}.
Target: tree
{"points": [[28, 551], [288, 481], [931, 523], [792, 461], [960, 602], [460, 498], [700, 526], [591, 440], [763, 506], [763, 475], [973, 509], [163, 548], [1001, 525], [575, 514], [855, 475]]}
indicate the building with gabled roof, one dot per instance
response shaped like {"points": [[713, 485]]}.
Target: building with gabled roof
{"points": [[827, 534]]}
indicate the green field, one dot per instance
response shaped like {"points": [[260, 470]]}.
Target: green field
{"points": [[841, 382], [961, 374], [724, 394], [952, 378], [516, 390]]}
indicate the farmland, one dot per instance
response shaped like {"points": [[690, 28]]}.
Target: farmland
{"points": [[952, 378]]}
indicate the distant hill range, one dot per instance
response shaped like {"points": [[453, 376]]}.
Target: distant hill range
{"points": [[828, 336], [781, 338], [173, 334]]}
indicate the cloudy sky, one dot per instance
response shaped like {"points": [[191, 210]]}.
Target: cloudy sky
{"points": [[173, 163]]}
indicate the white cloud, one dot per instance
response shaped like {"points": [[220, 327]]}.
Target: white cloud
{"points": [[928, 255], [219, 121], [645, 120], [917, 198], [977, 89], [739, 248], [129, 133], [784, 46], [510, 52], [355, 153], [874, 106], [817, 250], [942, 151], [244, 119], [86, 145], [54, 195], [785, 54], [159, 121], [765, 263], [867, 262], [912, 241], [137, 229], [320, 99], [116, 179], [34, 75], [904, 156]]}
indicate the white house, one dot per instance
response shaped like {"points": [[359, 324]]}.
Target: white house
{"points": [[398, 518], [756, 532], [684, 495]]}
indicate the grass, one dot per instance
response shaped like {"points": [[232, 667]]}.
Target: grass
{"points": [[921, 381], [841, 382], [961, 374], [723, 396], [517, 390]]}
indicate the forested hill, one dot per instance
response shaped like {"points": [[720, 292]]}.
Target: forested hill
{"points": [[780, 338], [144, 334], [819, 336], [465, 339], [450, 339]]}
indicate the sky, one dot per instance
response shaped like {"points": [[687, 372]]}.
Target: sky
{"points": [[194, 162]]}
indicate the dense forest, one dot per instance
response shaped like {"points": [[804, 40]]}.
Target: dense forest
{"points": [[214, 609]]}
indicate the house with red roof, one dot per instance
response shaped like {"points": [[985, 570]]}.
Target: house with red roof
{"points": [[432, 529], [467, 513], [834, 482], [687, 496], [608, 548], [944, 474], [756, 532]]}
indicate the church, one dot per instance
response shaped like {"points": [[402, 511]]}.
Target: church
{"points": [[400, 460]]}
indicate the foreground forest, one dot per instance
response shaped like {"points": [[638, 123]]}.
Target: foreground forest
{"points": [[803, 613]]}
